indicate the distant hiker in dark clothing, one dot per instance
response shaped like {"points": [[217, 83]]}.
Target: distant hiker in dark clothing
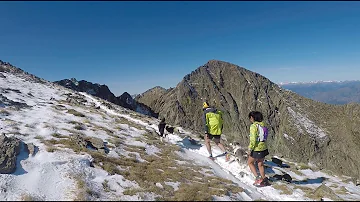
{"points": [[257, 146], [162, 127], [213, 122]]}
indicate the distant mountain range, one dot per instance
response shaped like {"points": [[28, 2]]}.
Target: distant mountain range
{"points": [[102, 91], [331, 92]]}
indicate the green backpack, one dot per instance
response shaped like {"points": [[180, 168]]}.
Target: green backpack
{"points": [[214, 122]]}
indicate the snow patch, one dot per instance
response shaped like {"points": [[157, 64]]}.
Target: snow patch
{"points": [[310, 126]]}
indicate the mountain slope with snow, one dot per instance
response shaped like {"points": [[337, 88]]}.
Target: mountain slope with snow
{"points": [[90, 149]]}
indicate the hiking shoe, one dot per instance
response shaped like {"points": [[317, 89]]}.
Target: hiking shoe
{"points": [[264, 182], [211, 157], [258, 181]]}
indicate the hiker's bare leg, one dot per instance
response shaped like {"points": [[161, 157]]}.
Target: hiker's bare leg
{"points": [[251, 161], [218, 143], [261, 168], [207, 144]]}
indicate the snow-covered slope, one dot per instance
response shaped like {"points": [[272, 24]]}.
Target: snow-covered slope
{"points": [[131, 162]]}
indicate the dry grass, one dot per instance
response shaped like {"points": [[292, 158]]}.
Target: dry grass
{"points": [[74, 122], [75, 113], [51, 149], [86, 121], [81, 189], [303, 166], [116, 141], [306, 190], [310, 193], [108, 131], [132, 191], [194, 184], [57, 135], [39, 137], [342, 190], [334, 186], [28, 197], [79, 127], [106, 186], [283, 188], [122, 120], [66, 142], [148, 173], [4, 112]]}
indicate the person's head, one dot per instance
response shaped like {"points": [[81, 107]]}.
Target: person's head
{"points": [[255, 116], [163, 119], [205, 105]]}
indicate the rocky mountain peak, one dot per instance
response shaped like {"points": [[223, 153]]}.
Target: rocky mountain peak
{"points": [[301, 129]]}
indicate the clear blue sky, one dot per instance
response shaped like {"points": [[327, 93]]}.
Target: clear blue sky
{"points": [[134, 46]]}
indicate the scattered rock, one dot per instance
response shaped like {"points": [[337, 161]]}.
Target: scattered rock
{"points": [[60, 107], [9, 149], [324, 191], [90, 142], [98, 107], [96, 142], [31, 148], [79, 140], [2, 76]]}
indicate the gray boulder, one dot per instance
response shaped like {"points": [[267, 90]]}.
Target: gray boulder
{"points": [[9, 149], [31, 148]]}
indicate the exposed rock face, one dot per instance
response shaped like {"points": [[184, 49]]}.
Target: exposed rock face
{"points": [[9, 149], [7, 67], [102, 91], [31, 148], [152, 95], [89, 142], [300, 128]]}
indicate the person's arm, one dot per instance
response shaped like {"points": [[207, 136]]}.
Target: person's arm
{"points": [[253, 136], [205, 122]]}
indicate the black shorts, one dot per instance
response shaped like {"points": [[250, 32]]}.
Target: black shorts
{"points": [[217, 137], [259, 154]]}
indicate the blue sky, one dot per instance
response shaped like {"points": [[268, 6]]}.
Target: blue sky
{"points": [[134, 46]]}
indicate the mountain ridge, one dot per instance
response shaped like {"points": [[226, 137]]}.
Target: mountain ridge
{"points": [[103, 91], [338, 93], [70, 145], [292, 118]]}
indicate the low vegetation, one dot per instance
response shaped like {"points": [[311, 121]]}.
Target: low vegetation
{"points": [[57, 135], [75, 113], [4, 112], [283, 188], [28, 197], [39, 137], [81, 189], [106, 186], [122, 120]]}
